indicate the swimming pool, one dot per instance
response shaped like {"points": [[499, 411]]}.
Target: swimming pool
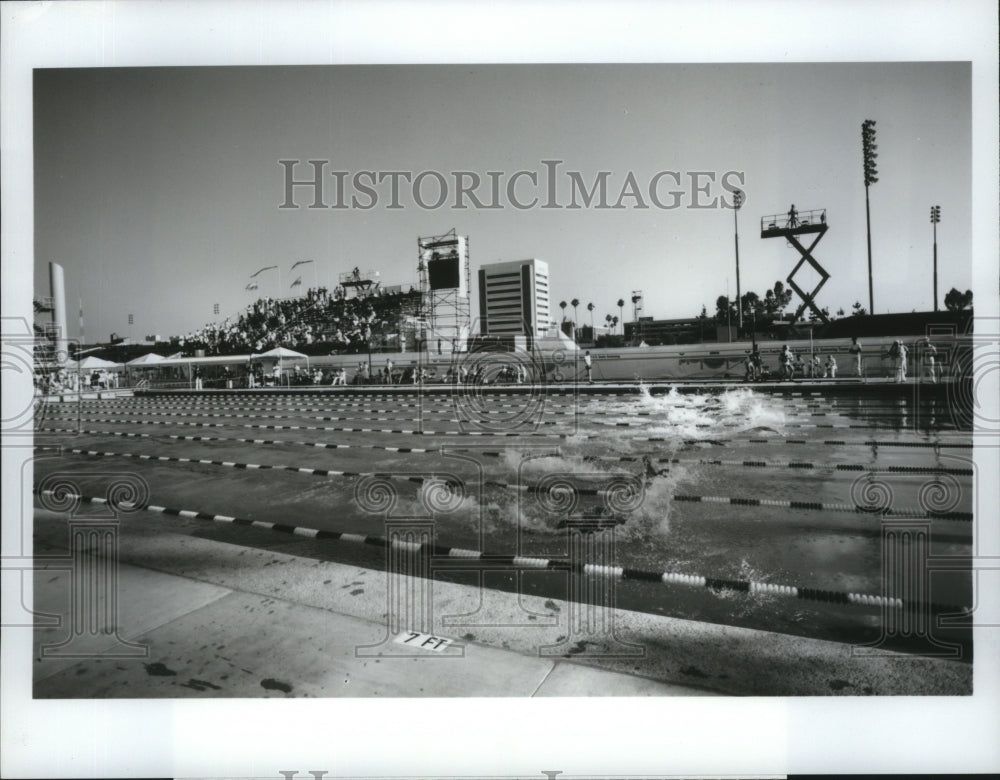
{"points": [[731, 495]]}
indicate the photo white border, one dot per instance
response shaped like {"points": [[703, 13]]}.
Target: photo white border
{"points": [[409, 737]]}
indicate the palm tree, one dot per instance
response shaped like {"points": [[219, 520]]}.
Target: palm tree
{"points": [[614, 323], [574, 303], [590, 308], [621, 317], [635, 317], [562, 305]]}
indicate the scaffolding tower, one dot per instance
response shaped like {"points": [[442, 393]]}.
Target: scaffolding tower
{"points": [[443, 268]]}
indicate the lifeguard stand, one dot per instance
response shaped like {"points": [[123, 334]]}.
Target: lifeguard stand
{"points": [[789, 227]]}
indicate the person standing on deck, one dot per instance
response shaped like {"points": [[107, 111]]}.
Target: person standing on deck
{"points": [[758, 366], [929, 354], [855, 349], [898, 354], [589, 366], [785, 358]]}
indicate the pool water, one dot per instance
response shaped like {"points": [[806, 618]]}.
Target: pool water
{"points": [[737, 484]]}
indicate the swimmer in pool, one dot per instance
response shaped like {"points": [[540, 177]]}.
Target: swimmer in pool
{"points": [[649, 471]]}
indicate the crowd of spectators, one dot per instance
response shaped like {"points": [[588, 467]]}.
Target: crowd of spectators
{"points": [[318, 322], [55, 381]]}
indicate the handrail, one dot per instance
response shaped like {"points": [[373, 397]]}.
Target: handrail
{"points": [[793, 219]]}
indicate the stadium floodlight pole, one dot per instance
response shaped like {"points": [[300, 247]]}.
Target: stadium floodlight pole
{"points": [[935, 218], [868, 147], [368, 342], [576, 344], [738, 198]]}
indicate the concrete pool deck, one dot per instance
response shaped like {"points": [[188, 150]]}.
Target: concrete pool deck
{"points": [[214, 619]]}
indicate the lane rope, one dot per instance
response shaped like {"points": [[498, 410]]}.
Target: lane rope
{"points": [[469, 421], [804, 465], [329, 428], [525, 562], [819, 506], [440, 404], [654, 439], [433, 415]]}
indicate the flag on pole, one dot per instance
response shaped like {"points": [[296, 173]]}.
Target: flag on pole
{"points": [[252, 286], [297, 282], [267, 268], [300, 262]]}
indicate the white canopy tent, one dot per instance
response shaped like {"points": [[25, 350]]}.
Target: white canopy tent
{"points": [[279, 355], [91, 362], [149, 359]]}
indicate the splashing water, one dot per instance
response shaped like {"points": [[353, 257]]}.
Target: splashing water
{"points": [[600, 451], [681, 415], [743, 603]]}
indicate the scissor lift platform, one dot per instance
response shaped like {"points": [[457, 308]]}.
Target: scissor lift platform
{"points": [[788, 226]]}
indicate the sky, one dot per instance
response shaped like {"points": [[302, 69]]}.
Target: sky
{"points": [[159, 190]]}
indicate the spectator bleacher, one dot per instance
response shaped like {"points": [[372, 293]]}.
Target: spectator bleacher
{"points": [[317, 323]]}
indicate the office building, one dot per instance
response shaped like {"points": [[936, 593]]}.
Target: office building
{"points": [[514, 298]]}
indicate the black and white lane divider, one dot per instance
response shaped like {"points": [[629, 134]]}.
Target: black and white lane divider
{"points": [[127, 421], [524, 562], [758, 464], [293, 407], [335, 403], [789, 464], [435, 405], [652, 439], [321, 418], [818, 506], [433, 417], [824, 442], [313, 444], [405, 431]]}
